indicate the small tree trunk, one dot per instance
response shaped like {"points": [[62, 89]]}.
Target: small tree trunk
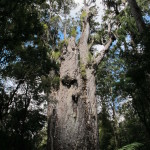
{"points": [[115, 126], [136, 12], [65, 33], [51, 113]]}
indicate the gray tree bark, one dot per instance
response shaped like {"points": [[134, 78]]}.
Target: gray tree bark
{"points": [[73, 119]]}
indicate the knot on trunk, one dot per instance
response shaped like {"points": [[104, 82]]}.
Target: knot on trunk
{"points": [[68, 81], [75, 97]]}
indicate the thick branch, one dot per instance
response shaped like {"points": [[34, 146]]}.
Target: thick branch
{"points": [[91, 44], [90, 2], [103, 52], [65, 31], [106, 47], [12, 95], [83, 43]]}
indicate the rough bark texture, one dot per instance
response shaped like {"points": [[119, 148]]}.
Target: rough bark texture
{"points": [[76, 116], [73, 124]]}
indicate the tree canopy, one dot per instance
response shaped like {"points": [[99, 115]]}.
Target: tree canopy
{"points": [[33, 36]]}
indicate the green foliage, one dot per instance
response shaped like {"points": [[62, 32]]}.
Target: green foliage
{"points": [[135, 52], [55, 20], [21, 125], [73, 32], [105, 129], [66, 6], [49, 82], [45, 26], [55, 55], [133, 146], [83, 70], [28, 33], [25, 41], [46, 83], [42, 139], [83, 15], [55, 82], [63, 43], [90, 58]]}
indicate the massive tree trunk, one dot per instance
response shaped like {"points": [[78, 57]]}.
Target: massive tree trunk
{"points": [[73, 121]]}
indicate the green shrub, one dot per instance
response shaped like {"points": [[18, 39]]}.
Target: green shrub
{"points": [[132, 146]]}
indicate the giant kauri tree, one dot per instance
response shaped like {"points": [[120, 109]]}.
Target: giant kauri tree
{"points": [[73, 111]]}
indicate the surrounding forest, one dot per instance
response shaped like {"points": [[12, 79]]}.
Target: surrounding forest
{"points": [[58, 91]]}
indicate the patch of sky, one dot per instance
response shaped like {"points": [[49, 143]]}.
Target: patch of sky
{"points": [[78, 33], [113, 44], [29, 43], [7, 84], [4, 59], [147, 18], [61, 35]]}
